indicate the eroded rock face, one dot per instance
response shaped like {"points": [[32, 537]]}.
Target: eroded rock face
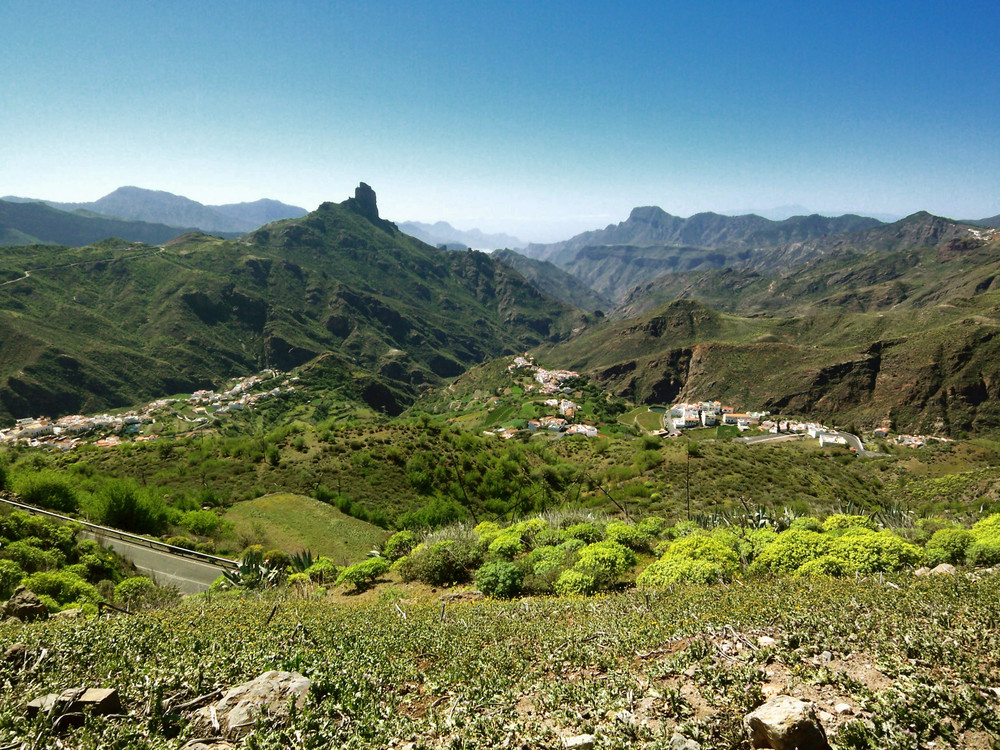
{"points": [[267, 697], [786, 723], [25, 606]]}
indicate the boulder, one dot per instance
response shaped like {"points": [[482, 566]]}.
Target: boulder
{"points": [[786, 723], [16, 654], [267, 696], [25, 606], [922, 571], [943, 569], [579, 742]]}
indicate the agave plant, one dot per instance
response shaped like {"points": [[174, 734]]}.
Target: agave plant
{"points": [[254, 572], [300, 562]]}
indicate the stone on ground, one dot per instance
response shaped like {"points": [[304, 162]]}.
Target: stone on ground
{"points": [[786, 723], [25, 606], [266, 697]]}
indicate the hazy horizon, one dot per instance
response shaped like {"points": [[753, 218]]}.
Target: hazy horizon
{"points": [[535, 120]]}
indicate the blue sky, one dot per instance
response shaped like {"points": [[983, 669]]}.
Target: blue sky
{"points": [[536, 118]]}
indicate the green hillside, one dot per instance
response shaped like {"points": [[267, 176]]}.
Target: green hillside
{"points": [[116, 323]]}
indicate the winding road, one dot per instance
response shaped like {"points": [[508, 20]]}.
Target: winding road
{"points": [[191, 572]]}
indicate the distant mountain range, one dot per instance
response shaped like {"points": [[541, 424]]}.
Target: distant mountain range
{"points": [[160, 207], [39, 224], [443, 233]]}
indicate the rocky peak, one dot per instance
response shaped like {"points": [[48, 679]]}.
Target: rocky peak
{"points": [[364, 202]]}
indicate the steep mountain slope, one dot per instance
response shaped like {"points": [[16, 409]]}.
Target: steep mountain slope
{"points": [[114, 323], [36, 223], [913, 341], [553, 281], [651, 243], [889, 268]]}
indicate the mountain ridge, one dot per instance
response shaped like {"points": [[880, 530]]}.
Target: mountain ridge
{"points": [[162, 207]]}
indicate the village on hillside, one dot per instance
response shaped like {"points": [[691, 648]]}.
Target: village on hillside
{"points": [[192, 413]]}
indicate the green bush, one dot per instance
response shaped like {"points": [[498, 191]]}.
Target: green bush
{"points": [[626, 535], [791, 550], [605, 561], [682, 529], [10, 576], [500, 579], [575, 583], [989, 526], [508, 544], [323, 571], [883, 552], [984, 552], [136, 592], [278, 558], [827, 565], [123, 505], [949, 545], [550, 537], [488, 531], [708, 548], [400, 544], [807, 523], [840, 521], [47, 489], [585, 532], [100, 565], [445, 561], [62, 586], [362, 575], [670, 570], [202, 522], [180, 541], [298, 579], [529, 529], [32, 558], [653, 526]]}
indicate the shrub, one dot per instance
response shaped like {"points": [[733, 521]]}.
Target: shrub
{"points": [[682, 529], [680, 570], [278, 558], [709, 548], [202, 522], [300, 580], [488, 531], [136, 592], [10, 576], [508, 544], [323, 571], [572, 545], [550, 537], [362, 575], [529, 529], [807, 523], [984, 552], [827, 565], [575, 583], [653, 526], [840, 521], [47, 489], [950, 545], [30, 557], [989, 526], [500, 579], [123, 505], [605, 561], [180, 541], [446, 561], [400, 544], [100, 565], [61, 586], [626, 535], [791, 550], [876, 553], [585, 532]]}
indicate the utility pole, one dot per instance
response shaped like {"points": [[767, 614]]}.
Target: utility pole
{"points": [[687, 480]]}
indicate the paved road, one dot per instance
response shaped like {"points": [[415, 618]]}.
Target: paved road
{"points": [[855, 442], [190, 576], [191, 572], [782, 438]]}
